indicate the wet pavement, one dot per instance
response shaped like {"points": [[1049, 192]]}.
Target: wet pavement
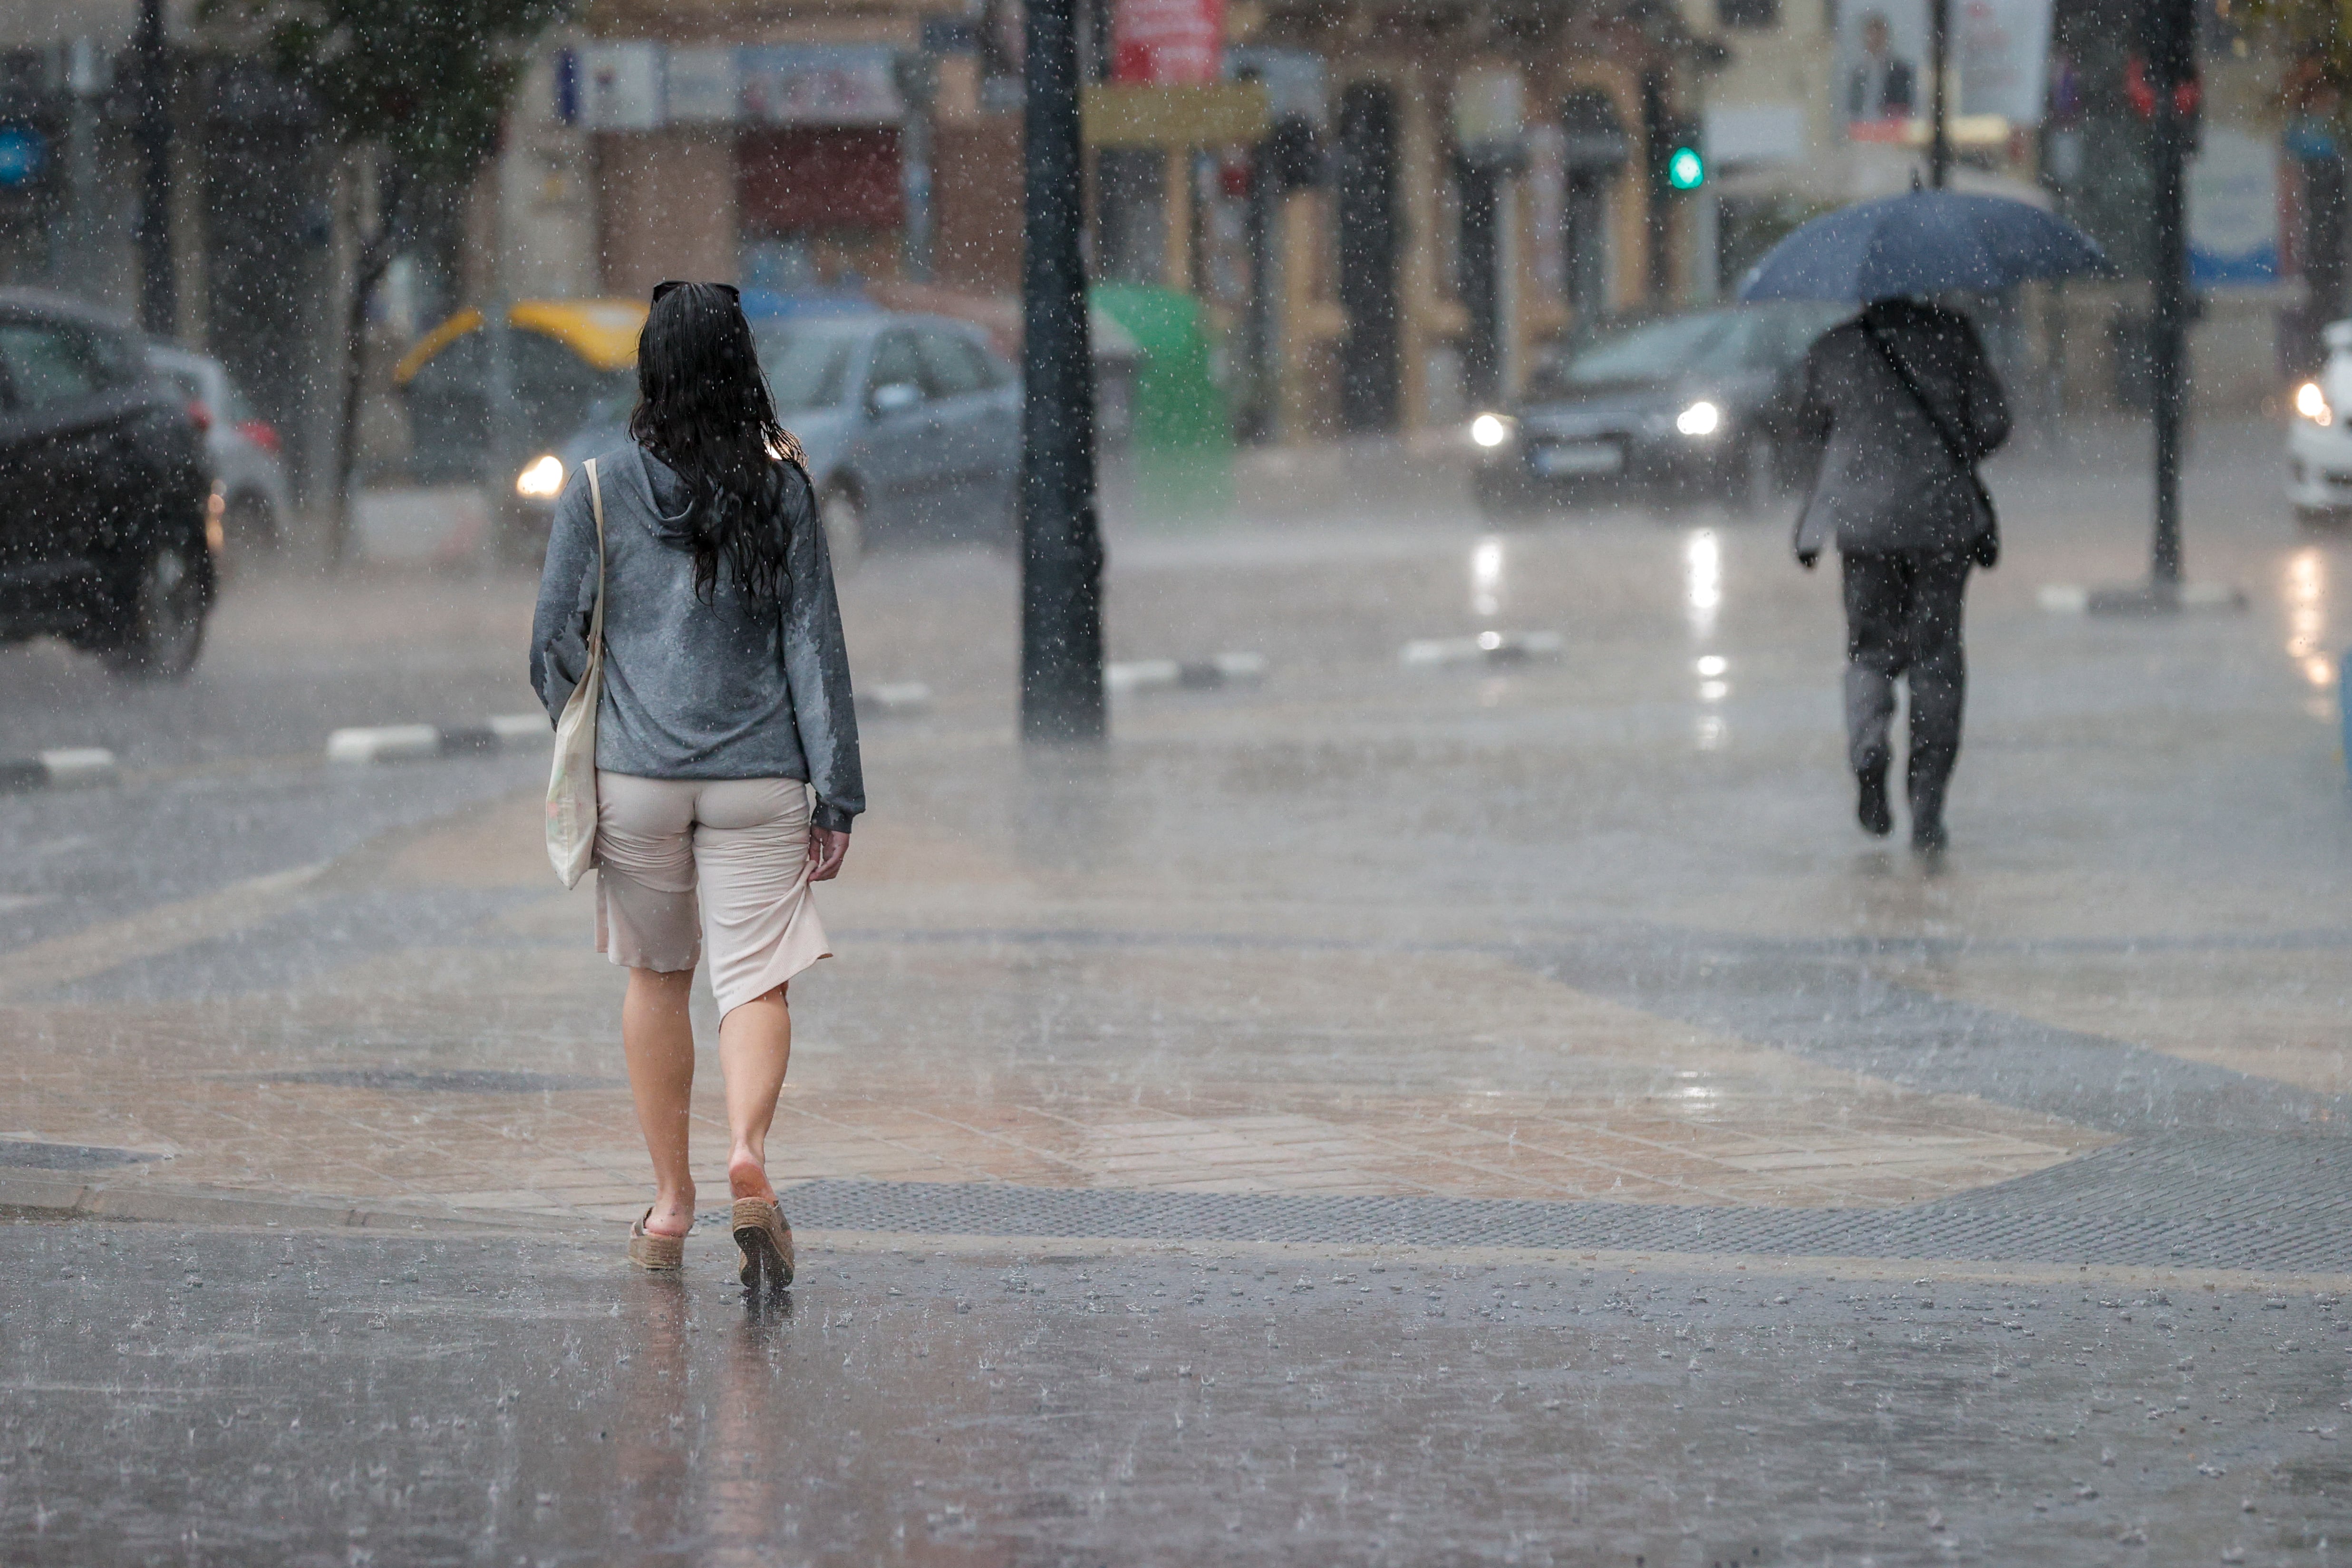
{"points": [[1568, 977], [314, 1398]]}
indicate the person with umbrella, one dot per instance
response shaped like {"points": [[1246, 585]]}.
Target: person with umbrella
{"points": [[1902, 403]]}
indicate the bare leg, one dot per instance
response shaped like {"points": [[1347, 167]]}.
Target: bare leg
{"points": [[755, 1043], [658, 1037]]}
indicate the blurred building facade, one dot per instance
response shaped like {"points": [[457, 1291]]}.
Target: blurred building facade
{"points": [[1456, 187], [1430, 194]]}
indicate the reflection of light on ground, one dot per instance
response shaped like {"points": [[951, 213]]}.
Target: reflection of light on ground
{"points": [[1703, 574], [1702, 596], [1687, 1089], [2307, 614], [1487, 577]]}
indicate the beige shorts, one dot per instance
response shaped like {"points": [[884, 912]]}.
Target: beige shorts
{"points": [[685, 864]]}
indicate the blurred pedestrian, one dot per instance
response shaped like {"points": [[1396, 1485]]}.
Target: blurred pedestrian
{"points": [[1904, 405], [726, 707]]}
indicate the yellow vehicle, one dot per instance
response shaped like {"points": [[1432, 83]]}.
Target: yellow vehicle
{"points": [[566, 355]]}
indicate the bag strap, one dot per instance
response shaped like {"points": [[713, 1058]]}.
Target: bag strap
{"points": [[596, 616], [1953, 446]]}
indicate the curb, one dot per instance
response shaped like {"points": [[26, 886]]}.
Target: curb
{"points": [[406, 742], [1188, 675], [2138, 599], [62, 1197], [1489, 647], [897, 700], [65, 768]]}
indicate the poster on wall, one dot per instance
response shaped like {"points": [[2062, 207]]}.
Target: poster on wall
{"points": [[620, 87], [1168, 43], [819, 84], [2001, 51], [2233, 210]]}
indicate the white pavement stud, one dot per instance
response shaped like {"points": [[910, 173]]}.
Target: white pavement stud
{"points": [[1159, 674], [518, 728], [1491, 648], [383, 744], [70, 765], [896, 697]]}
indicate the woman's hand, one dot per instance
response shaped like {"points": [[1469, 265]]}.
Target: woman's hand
{"points": [[828, 847]]}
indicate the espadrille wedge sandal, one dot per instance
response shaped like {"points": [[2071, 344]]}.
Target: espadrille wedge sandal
{"points": [[647, 1251], [766, 1242]]}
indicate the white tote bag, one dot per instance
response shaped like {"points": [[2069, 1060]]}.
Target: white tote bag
{"points": [[572, 785]]}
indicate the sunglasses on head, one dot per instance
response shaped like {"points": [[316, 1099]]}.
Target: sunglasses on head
{"points": [[670, 285]]}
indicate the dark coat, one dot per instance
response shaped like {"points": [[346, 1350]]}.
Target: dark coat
{"points": [[1887, 481]]}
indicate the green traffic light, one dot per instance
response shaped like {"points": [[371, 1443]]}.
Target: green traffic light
{"points": [[1686, 170]]}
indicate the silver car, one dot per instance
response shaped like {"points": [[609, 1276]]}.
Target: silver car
{"points": [[911, 423], [248, 465]]}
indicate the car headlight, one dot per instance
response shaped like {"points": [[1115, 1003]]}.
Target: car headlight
{"points": [[1700, 418], [542, 478], [2312, 404], [1490, 430]]}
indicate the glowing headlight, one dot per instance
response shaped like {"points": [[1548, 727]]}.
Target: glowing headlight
{"points": [[542, 479], [1490, 429], [1699, 419], [2312, 404]]}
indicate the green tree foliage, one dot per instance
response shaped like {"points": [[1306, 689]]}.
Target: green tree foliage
{"points": [[425, 82], [423, 85], [2316, 36]]}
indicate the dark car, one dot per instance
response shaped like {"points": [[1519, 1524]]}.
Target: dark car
{"points": [[1697, 406], [108, 530], [911, 425]]}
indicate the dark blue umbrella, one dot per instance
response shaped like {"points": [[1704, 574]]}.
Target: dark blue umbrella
{"points": [[1929, 242]]}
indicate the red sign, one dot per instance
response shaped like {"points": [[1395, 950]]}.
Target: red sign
{"points": [[1168, 43]]}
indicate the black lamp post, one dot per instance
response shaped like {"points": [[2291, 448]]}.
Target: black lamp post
{"points": [[2171, 38], [158, 298], [1061, 539], [1939, 121]]}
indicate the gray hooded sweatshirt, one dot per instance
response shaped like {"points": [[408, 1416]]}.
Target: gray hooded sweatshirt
{"points": [[721, 688]]}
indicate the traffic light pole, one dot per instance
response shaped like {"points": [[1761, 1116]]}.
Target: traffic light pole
{"points": [[2172, 67], [159, 307], [1939, 126], [1061, 541]]}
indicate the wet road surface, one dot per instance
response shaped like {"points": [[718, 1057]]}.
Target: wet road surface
{"points": [[1482, 1024], [308, 1398]]}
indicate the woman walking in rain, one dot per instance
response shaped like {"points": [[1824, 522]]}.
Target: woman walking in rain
{"points": [[1904, 405], [726, 748]]}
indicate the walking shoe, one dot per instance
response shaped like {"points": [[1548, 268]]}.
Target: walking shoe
{"points": [[766, 1242], [650, 1249], [1928, 836], [1877, 817]]}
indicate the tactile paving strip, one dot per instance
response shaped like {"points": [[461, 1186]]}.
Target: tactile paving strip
{"points": [[2279, 1204]]}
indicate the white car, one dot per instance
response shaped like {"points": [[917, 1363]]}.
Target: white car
{"points": [[248, 464], [2319, 438]]}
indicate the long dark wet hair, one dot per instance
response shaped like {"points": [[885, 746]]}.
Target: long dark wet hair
{"points": [[703, 408]]}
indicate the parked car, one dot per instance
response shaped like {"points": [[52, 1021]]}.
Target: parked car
{"points": [[565, 355], [1694, 405], [248, 459], [911, 423], [2318, 441], [109, 531]]}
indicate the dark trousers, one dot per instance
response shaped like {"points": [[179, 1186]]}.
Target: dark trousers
{"points": [[1903, 618]]}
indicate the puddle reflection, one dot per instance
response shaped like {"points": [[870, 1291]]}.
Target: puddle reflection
{"points": [[1487, 578], [2306, 617], [1702, 597]]}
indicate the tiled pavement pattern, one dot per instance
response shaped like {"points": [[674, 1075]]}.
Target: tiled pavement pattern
{"points": [[1732, 1127], [1560, 932]]}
